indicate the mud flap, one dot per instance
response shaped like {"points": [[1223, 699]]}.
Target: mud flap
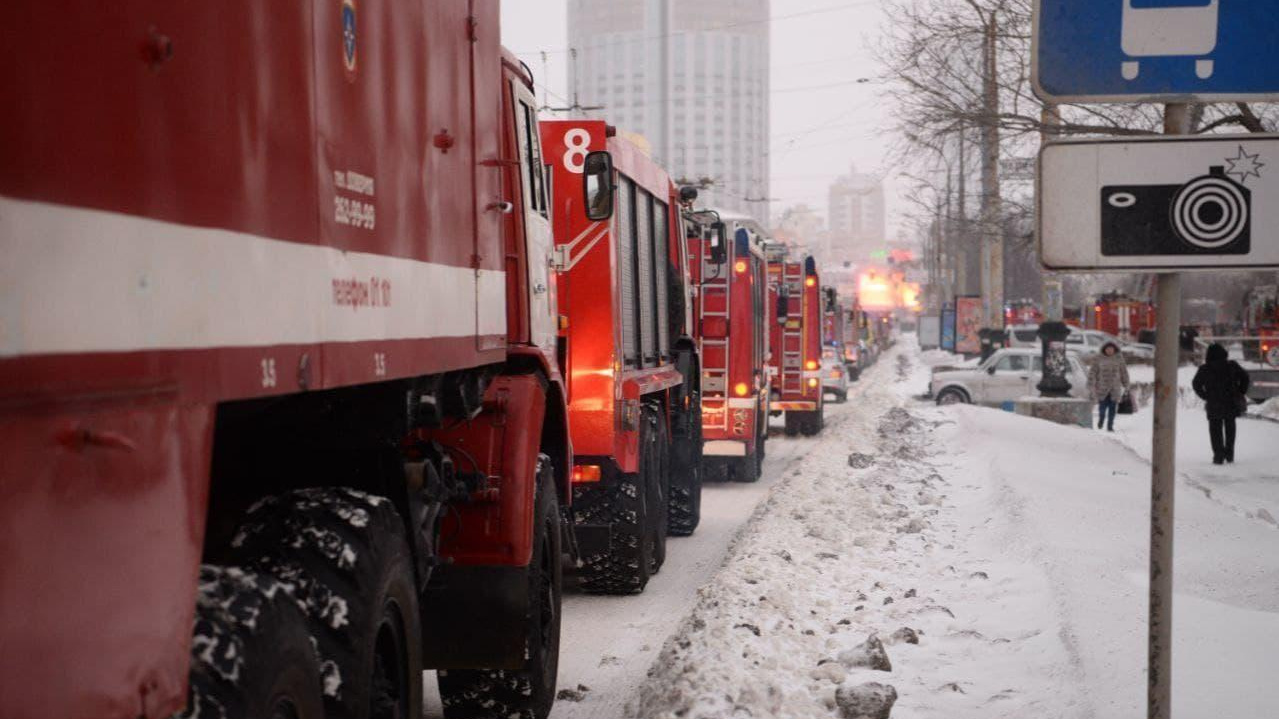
{"points": [[475, 618]]}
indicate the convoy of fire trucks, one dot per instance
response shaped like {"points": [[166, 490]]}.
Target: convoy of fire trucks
{"points": [[302, 396]]}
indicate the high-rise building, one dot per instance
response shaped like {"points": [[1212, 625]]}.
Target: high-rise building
{"points": [[856, 222], [709, 120]]}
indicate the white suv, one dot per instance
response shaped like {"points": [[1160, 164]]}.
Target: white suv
{"points": [[1007, 375]]}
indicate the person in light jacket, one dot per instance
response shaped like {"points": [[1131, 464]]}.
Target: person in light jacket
{"points": [[1223, 386], [1108, 383]]}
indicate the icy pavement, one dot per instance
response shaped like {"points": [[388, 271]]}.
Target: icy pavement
{"points": [[1000, 562]]}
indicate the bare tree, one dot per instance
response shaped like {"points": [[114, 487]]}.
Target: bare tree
{"points": [[933, 55]]}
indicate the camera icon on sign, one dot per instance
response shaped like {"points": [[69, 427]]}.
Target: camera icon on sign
{"points": [[1210, 214]]}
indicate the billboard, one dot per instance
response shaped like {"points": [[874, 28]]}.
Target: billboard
{"points": [[967, 325]]}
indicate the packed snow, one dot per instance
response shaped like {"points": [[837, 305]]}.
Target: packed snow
{"points": [[962, 562]]}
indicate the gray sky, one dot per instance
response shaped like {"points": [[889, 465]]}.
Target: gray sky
{"points": [[822, 120]]}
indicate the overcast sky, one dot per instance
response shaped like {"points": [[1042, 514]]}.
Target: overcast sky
{"points": [[823, 121]]}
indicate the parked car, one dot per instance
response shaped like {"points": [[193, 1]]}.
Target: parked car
{"points": [[1005, 376], [834, 375], [1023, 336]]}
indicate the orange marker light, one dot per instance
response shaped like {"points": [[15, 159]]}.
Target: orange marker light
{"points": [[742, 389], [812, 382], [810, 282], [740, 266], [811, 364], [583, 473]]}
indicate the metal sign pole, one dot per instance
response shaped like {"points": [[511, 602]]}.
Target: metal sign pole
{"points": [[1163, 471]]}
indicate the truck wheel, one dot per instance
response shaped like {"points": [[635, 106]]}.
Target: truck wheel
{"points": [[623, 507], [526, 693], [686, 483], [251, 655], [344, 555], [952, 395], [793, 422], [659, 484], [746, 469], [811, 423]]}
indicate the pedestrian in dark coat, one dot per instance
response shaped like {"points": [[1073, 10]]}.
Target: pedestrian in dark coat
{"points": [[1223, 386], [1108, 383]]}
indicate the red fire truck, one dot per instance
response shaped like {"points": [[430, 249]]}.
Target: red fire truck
{"points": [[1120, 315], [796, 339], [1023, 312], [278, 363], [630, 363], [729, 278], [1261, 319], [833, 319]]}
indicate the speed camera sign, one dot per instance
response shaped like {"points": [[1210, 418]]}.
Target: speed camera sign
{"points": [[1174, 203]]}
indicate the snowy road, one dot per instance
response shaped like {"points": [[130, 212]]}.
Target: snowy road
{"points": [[609, 643], [976, 562], [980, 564]]}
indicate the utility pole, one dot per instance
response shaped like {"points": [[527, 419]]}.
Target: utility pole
{"points": [[992, 242], [666, 148], [962, 247], [546, 77], [1163, 470]]}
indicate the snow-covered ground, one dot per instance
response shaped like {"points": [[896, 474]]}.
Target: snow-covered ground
{"points": [[1000, 559]]}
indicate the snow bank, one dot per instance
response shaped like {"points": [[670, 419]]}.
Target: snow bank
{"points": [[1268, 409], [999, 564]]}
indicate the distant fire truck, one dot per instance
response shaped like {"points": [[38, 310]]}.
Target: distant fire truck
{"points": [[1023, 312], [796, 339], [729, 274], [1261, 320], [632, 371], [1119, 315]]}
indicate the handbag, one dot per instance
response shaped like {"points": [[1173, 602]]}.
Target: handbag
{"points": [[1126, 404]]}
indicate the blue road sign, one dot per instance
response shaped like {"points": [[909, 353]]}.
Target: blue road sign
{"points": [[1156, 50]]}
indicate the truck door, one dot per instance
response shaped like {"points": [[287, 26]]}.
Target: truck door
{"points": [[539, 241]]}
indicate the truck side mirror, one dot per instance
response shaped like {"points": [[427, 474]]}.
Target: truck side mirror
{"points": [[719, 243], [597, 182]]}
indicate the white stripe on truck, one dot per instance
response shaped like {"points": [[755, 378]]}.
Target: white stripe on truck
{"points": [[78, 280]]}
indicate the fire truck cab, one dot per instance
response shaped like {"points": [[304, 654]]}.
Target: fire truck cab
{"points": [[631, 365], [729, 279], [796, 314]]}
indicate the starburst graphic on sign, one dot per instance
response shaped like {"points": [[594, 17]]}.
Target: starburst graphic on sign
{"points": [[1245, 165]]}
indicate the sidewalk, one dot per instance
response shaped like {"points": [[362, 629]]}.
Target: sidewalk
{"points": [[1001, 560]]}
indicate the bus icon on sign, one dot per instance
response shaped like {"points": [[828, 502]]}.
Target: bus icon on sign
{"points": [[1169, 28]]}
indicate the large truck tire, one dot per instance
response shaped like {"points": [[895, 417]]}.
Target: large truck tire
{"points": [[625, 566], [344, 556], [687, 472], [659, 485], [746, 469], [251, 654], [529, 692], [811, 423], [794, 423]]}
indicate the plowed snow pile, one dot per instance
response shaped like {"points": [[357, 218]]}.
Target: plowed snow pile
{"points": [[970, 563]]}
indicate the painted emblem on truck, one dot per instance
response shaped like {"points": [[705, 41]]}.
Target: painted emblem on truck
{"points": [[349, 46]]}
